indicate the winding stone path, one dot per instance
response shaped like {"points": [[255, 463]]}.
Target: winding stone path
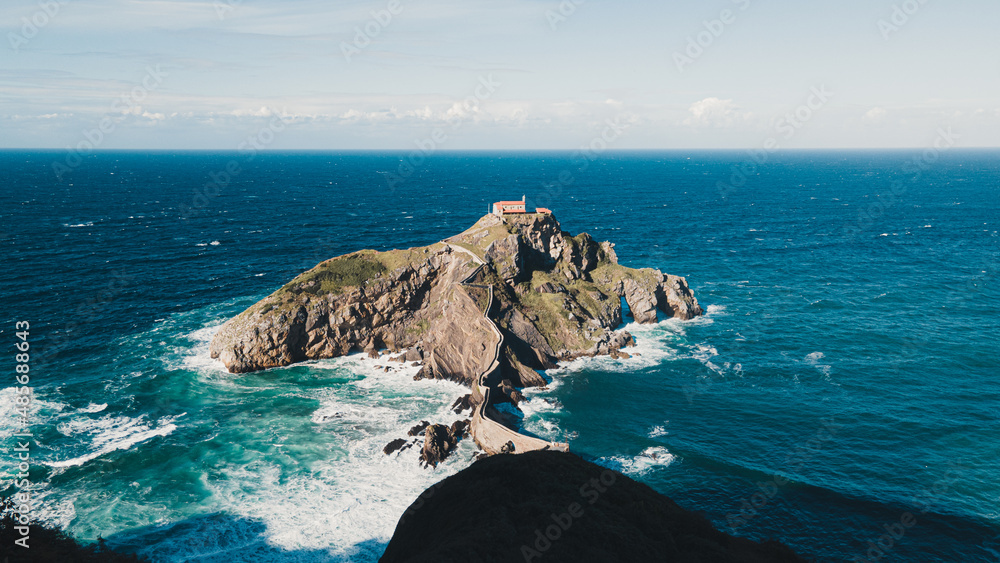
{"points": [[492, 436]]}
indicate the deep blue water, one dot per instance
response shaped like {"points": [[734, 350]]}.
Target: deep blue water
{"points": [[845, 373]]}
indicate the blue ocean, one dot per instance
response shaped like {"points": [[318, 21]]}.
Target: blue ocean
{"points": [[841, 394]]}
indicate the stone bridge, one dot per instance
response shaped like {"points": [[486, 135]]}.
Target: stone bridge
{"points": [[492, 436]]}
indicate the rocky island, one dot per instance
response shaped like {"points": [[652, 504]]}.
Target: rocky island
{"points": [[486, 308]]}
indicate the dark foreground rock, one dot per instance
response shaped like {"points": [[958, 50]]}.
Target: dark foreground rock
{"points": [[550, 506], [52, 545]]}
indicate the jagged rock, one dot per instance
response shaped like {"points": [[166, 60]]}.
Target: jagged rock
{"points": [[510, 392], [621, 339], [549, 287], [393, 446], [608, 248], [460, 429], [678, 300], [505, 256], [641, 301], [438, 444], [418, 429], [462, 403]]}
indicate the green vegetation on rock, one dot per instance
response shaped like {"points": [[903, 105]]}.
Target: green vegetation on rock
{"points": [[332, 276]]}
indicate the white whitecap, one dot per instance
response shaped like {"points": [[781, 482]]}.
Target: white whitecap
{"points": [[199, 358], [715, 309], [814, 358], [658, 431], [650, 459], [110, 433]]}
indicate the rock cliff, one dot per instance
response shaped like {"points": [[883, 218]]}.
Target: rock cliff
{"points": [[557, 297]]}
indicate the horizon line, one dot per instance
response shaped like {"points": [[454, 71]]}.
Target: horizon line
{"points": [[498, 150]]}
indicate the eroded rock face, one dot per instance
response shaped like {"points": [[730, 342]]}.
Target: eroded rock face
{"points": [[506, 257], [641, 301], [556, 296]]}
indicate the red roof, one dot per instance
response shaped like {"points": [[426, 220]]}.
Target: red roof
{"points": [[543, 210], [509, 203]]}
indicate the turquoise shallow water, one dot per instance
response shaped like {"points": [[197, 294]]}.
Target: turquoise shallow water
{"points": [[844, 375]]}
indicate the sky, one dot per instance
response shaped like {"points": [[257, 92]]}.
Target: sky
{"points": [[492, 74]]}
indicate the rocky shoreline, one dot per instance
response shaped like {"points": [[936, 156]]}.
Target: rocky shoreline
{"points": [[550, 295]]}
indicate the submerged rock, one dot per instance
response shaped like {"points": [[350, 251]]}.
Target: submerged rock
{"points": [[393, 446], [418, 429]]}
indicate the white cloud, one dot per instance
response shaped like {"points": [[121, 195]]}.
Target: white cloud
{"points": [[713, 112], [262, 112], [875, 115]]}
